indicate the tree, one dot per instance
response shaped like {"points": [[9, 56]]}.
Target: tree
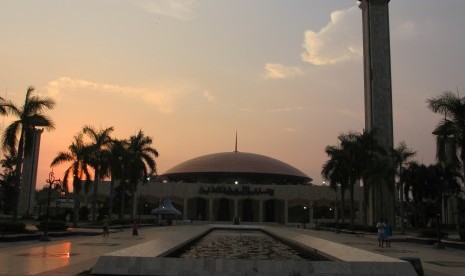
{"points": [[353, 153], [7, 179], [335, 170], [29, 115], [140, 163], [78, 156], [118, 149], [401, 156], [370, 154], [98, 158], [450, 131], [3, 110], [446, 182]]}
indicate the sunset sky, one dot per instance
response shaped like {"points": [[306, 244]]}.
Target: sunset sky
{"points": [[287, 75]]}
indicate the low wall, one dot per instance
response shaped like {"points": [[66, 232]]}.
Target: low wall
{"points": [[146, 258]]}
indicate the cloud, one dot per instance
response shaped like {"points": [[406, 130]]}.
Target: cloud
{"points": [[286, 109], [340, 40], [209, 96], [280, 71], [405, 30], [289, 129], [163, 97], [180, 9]]}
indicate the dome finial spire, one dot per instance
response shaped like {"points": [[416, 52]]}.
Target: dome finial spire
{"points": [[235, 149]]}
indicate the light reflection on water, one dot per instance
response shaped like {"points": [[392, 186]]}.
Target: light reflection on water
{"points": [[45, 257], [235, 244]]}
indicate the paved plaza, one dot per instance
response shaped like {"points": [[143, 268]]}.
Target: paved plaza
{"points": [[75, 254]]}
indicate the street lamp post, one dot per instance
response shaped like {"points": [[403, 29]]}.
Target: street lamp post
{"points": [[438, 244], [310, 215], [52, 183], [337, 217]]}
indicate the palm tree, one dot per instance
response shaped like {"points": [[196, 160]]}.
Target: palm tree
{"points": [[352, 152], [451, 130], [335, 170], [401, 156], [78, 169], [99, 157], [7, 179], [3, 110], [416, 189], [369, 155], [381, 173], [447, 181], [140, 163], [118, 149], [30, 115], [348, 162]]}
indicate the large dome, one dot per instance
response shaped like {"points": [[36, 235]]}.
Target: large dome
{"points": [[243, 167]]}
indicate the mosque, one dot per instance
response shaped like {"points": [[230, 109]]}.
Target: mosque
{"points": [[243, 186]]}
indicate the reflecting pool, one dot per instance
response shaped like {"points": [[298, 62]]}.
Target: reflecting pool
{"points": [[240, 244]]}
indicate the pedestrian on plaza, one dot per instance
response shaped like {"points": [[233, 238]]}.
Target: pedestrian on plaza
{"points": [[380, 225], [387, 233], [135, 227], [106, 226]]}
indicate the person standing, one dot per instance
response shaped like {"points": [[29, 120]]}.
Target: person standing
{"points": [[135, 227], [106, 226], [380, 225], [387, 233]]}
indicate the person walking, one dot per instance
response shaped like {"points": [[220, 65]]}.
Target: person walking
{"points": [[380, 225], [135, 227], [106, 226], [387, 233]]}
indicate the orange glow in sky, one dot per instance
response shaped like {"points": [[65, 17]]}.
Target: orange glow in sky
{"points": [[287, 76]]}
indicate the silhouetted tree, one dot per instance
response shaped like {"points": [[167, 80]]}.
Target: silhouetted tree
{"points": [[16, 137]]}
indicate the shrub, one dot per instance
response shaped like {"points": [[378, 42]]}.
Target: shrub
{"points": [[27, 216], [333, 225], [462, 234], [431, 233], [84, 213], [53, 225], [363, 228], [12, 226]]}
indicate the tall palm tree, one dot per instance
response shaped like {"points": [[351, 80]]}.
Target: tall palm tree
{"points": [[335, 170], [118, 150], [447, 180], [417, 191], [77, 156], [352, 152], [7, 179], [140, 163], [402, 155], [369, 152], [99, 158], [380, 172], [349, 157], [450, 131], [29, 115], [3, 110]]}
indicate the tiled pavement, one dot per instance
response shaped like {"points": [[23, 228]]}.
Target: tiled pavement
{"points": [[72, 255]]}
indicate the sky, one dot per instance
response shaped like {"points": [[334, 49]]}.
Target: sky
{"points": [[286, 75]]}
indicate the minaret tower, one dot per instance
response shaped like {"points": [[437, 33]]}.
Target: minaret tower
{"points": [[378, 96]]}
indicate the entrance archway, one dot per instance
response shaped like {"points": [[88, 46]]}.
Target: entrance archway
{"points": [[270, 210], [247, 210], [224, 213]]}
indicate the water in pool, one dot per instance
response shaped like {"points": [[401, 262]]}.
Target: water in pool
{"points": [[240, 244]]}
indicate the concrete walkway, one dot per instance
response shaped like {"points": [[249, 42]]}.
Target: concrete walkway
{"points": [[439, 262], [75, 254]]}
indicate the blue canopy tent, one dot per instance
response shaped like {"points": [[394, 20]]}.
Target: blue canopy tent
{"points": [[166, 208]]}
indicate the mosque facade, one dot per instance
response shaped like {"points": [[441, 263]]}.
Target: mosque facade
{"points": [[242, 186]]}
